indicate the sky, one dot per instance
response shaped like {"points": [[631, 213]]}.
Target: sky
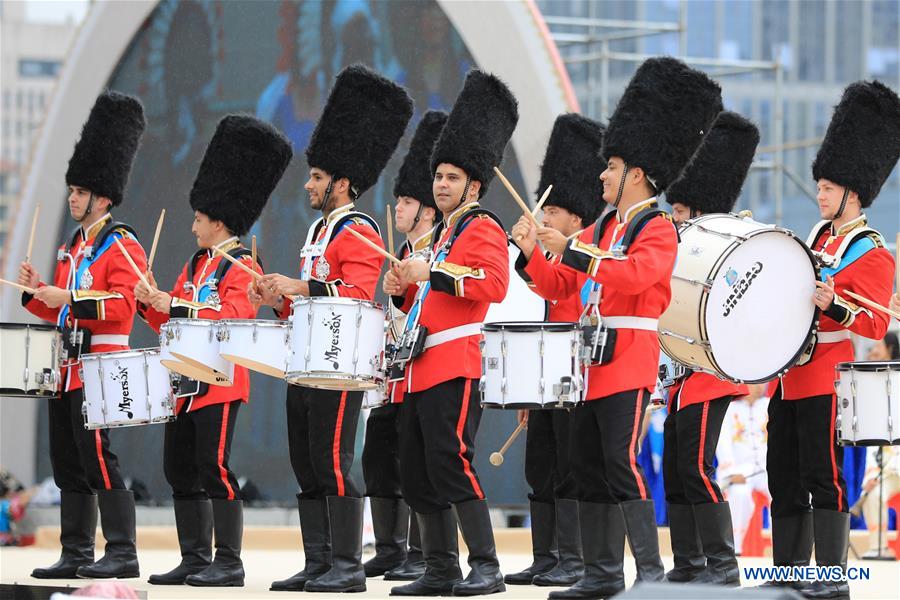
{"points": [[55, 11]]}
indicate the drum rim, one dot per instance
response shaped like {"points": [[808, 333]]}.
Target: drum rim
{"points": [[39, 326], [868, 366], [765, 228], [259, 322], [336, 300], [190, 321], [530, 326], [119, 353]]}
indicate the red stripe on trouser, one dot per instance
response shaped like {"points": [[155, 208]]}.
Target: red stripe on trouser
{"points": [[709, 487], [99, 443], [632, 455], [220, 454], [336, 446], [467, 467], [834, 468]]}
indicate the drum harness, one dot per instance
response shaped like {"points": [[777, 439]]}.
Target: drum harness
{"points": [[415, 339], [77, 341]]}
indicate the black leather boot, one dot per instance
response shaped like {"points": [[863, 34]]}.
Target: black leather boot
{"points": [[690, 562], [543, 526], [603, 544], [390, 520], [832, 534], [484, 575], [792, 543], [226, 569], [194, 524], [414, 565], [346, 573], [570, 567], [316, 532], [117, 520], [643, 539], [717, 539], [78, 526], [440, 545]]}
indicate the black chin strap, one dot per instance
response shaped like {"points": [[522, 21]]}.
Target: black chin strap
{"points": [[840, 210], [90, 207], [418, 216], [621, 187], [327, 198], [465, 193]]}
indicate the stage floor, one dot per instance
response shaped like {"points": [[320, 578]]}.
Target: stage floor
{"points": [[262, 567]]}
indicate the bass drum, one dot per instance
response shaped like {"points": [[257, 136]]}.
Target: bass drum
{"points": [[741, 299], [520, 304]]}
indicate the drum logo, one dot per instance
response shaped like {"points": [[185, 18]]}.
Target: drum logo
{"points": [[333, 352], [739, 287], [122, 377]]}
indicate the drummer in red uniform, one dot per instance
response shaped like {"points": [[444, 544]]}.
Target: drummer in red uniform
{"points": [[699, 516], [91, 298], [446, 300], [242, 165], [575, 201], [860, 149], [660, 122], [361, 125], [415, 216]]}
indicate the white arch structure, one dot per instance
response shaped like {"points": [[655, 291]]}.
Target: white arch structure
{"points": [[509, 39]]}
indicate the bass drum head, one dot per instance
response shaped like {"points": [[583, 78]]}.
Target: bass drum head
{"points": [[520, 304], [760, 312]]}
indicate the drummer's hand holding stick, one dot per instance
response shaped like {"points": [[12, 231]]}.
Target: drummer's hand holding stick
{"points": [[393, 283], [277, 285], [524, 234], [824, 295], [895, 302], [552, 240], [28, 276], [413, 269]]}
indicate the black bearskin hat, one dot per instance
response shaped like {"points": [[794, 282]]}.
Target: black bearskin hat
{"points": [[361, 125], [572, 166], [661, 119], [862, 144], [713, 180], [414, 178], [482, 121], [242, 165], [109, 140]]}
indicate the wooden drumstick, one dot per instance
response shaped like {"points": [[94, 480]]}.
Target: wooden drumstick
{"points": [[872, 304], [131, 262], [34, 221], [390, 231], [517, 197], [21, 287], [540, 203], [253, 251], [159, 224], [497, 457], [238, 263], [375, 247], [897, 262]]}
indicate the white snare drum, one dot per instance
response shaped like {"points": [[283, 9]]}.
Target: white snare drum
{"points": [[123, 389], [29, 359], [531, 365], [190, 347], [520, 303], [258, 345], [741, 299], [375, 398], [868, 395], [336, 343]]}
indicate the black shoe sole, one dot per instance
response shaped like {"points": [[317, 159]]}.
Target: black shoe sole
{"points": [[131, 575], [223, 584], [476, 592]]}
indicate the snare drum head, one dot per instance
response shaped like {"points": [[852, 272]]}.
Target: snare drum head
{"points": [[520, 304], [760, 311]]}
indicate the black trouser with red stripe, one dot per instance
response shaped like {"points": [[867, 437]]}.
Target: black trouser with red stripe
{"points": [[547, 467], [381, 453], [321, 436], [803, 457], [437, 436], [196, 451], [604, 448], [690, 437], [81, 459]]}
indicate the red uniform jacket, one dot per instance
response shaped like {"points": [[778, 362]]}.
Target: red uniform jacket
{"points": [[348, 268], [102, 300], [637, 284], [397, 389], [229, 302], [867, 269], [463, 285], [560, 286]]}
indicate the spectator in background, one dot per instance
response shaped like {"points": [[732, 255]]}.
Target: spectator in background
{"points": [[14, 499], [741, 455], [886, 349]]}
